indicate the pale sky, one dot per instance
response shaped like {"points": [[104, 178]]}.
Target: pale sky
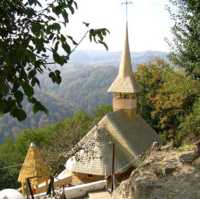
{"points": [[149, 23]]}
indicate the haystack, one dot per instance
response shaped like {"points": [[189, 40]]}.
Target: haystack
{"points": [[34, 168]]}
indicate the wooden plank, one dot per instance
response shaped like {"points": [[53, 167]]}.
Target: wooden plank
{"points": [[100, 195], [57, 184]]}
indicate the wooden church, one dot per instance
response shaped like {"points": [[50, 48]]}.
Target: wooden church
{"points": [[124, 128]]}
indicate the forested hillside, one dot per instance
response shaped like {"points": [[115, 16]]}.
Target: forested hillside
{"points": [[9, 126], [83, 87]]}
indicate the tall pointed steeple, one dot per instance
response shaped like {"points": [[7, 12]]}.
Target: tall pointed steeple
{"points": [[124, 88], [125, 81], [125, 65]]}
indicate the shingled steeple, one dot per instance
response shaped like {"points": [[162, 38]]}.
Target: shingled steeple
{"points": [[124, 88], [125, 81]]}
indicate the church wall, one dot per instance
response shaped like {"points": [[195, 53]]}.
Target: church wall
{"points": [[79, 178], [120, 103]]}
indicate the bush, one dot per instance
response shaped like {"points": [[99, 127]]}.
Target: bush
{"points": [[167, 96], [190, 125]]}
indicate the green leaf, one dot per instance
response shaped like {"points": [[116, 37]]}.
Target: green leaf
{"points": [[65, 16], [75, 4], [66, 47], [104, 44], [35, 81], [51, 36], [91, 35], [35, 2], [71, 9], [3, 105], [39, 43], [55, 76], [100, 36], [72, 40], [57, 10], [36, 27], [9, 104], [56, 46], [4, 89], [97, 35], [18, 96], [19, 114], [39, 107], [27, 89], [31, 2], [32, 74], [57, 58], [56, 26], [58, 77], [30, 12]]}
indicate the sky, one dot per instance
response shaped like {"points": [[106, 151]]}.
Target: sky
{"points": [[149, 24]]}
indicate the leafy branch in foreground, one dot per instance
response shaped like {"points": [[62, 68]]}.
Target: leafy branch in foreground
{"points": [[186, 31], [31, 35]]}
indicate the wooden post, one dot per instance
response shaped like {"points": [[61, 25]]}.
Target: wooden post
{"points": [[51, 187], [29, 187], [53, 190], [113, 168]]}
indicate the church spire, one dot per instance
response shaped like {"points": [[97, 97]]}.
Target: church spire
{"points": [[125, 81], [125, 65]]}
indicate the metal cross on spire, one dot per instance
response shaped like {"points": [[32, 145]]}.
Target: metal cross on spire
{"points": [[127, 3]]}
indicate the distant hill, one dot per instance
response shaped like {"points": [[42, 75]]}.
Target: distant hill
{"points": [[96, 58], [9, 126], [85, 82]]}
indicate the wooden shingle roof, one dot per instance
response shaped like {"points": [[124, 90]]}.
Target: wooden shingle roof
{"points": [[132, 137], [125, 81]]}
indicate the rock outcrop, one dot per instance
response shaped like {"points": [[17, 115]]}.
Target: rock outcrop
{"points": [[164, 174]]}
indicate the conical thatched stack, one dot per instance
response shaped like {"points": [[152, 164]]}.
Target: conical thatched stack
{"points": [[33, 167]]}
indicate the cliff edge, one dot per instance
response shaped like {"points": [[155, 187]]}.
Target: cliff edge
{"points": [[165, 173]]}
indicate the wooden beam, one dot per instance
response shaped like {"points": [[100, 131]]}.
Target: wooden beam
{"points": [[29, 187], [113, 168]]}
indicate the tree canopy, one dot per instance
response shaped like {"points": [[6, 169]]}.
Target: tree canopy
{"points": [[32, 42], [167, 96], [186, 30]]}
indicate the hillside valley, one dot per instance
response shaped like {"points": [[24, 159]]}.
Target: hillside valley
{"points": [[105, 58], [84, 86]]}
